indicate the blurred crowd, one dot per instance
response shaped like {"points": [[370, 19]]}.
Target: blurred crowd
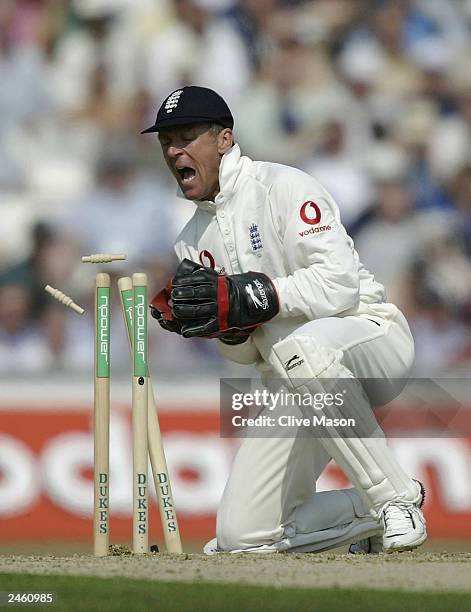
{"points": [[372, 97]]}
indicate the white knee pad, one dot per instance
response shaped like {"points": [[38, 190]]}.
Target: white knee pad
{"points": [[309, 367]]}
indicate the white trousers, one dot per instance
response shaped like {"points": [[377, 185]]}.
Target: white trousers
{"points": [[270, 501]]}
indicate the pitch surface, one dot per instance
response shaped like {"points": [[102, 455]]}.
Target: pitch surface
{"points": [[425, 572]]}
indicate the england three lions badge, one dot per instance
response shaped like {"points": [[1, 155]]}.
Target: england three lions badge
{"points": [[255, 240]]}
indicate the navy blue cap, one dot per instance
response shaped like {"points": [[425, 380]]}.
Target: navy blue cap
{"points": [[192, 104]]}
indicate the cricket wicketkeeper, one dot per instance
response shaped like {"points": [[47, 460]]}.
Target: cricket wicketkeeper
{"points": [[269, 271]]}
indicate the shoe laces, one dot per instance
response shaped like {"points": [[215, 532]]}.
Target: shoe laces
{"points": [[399, 514]]}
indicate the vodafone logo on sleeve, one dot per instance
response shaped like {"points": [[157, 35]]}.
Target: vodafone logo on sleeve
{"points": [[310, 213]]}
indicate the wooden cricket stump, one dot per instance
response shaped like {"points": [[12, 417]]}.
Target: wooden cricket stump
{"points": [[158, 461], [101, 526], [139, 416]]}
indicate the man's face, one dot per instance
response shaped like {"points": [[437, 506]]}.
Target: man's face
{"points": [[193, 153]]}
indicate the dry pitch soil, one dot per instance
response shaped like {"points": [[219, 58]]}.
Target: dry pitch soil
{"points": [[426, 571]]}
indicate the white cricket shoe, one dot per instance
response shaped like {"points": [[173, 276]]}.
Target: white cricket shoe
{"points": [[404, 528], [211, 547], [404, 524]]}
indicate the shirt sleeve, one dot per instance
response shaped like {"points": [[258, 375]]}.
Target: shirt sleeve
{"points": [[323, 266]]}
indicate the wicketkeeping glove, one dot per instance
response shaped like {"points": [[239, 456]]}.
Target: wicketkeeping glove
{"points": [[209, 304], [160, 309]]}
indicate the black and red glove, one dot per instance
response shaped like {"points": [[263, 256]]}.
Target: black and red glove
{"points": [[161, 310], [207, 304]]}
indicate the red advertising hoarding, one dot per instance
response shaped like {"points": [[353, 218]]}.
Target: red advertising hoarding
{"points": [[46, 486]]}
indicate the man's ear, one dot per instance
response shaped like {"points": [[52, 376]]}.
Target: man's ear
{"points": [[225, 140]]}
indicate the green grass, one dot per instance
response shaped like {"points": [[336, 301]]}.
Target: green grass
{"points": [[76, 593]]}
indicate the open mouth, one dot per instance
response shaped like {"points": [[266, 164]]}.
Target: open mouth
{"points": [[186, 174]]}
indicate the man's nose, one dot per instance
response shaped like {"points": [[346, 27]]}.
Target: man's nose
{"points": [[174, 151]]}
